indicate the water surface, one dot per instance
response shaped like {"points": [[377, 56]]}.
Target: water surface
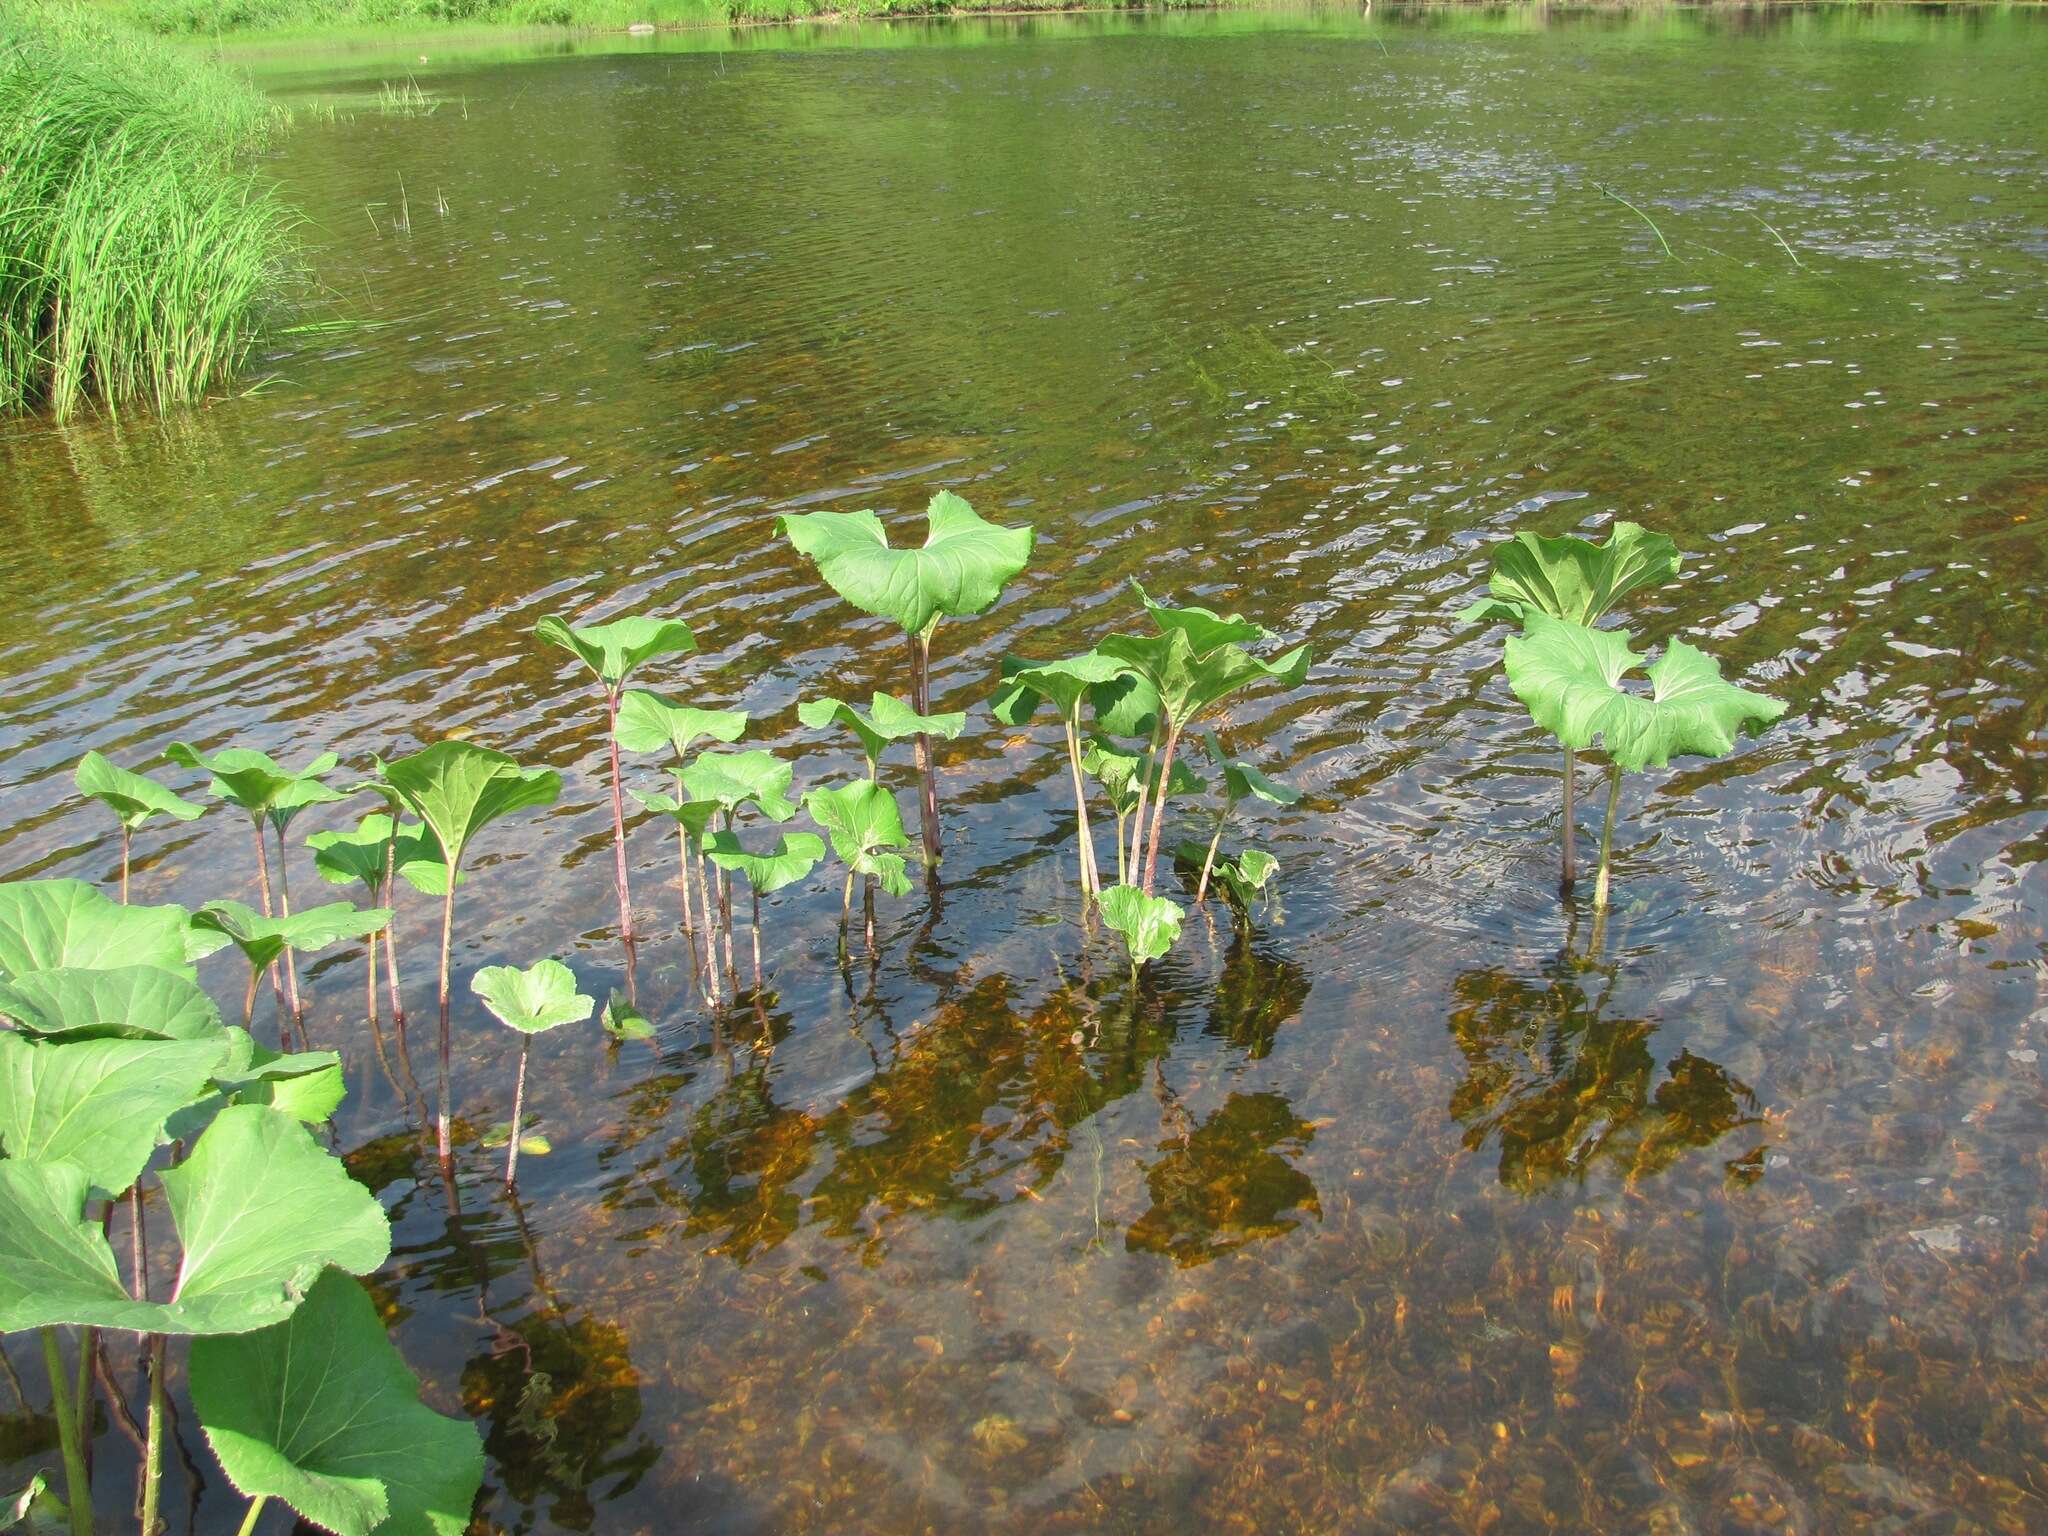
{"points": [[1422, 1206]]}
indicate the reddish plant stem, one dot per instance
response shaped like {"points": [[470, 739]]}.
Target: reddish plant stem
{"points": [[928, 788], [1159, 806], [263, 881], [611, 705], [442, 1132], [518, 1114]]}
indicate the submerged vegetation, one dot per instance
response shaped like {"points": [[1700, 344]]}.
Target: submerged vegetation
{"points": [[135, 248]]}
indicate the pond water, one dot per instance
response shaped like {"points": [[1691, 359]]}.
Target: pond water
{"points": [[1423, 1206]]}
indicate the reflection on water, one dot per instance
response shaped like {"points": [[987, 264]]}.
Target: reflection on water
{"points": [[1413, 1207]]}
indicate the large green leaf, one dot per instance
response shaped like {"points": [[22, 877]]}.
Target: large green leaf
{"points": [[1189, 681], [863, 822], [259, 1208], [45, 924], [1065, 683], [1570, 677], [1573, 579], [613, 650], [960, 570], [536, 999], [262, 939], [253, 780], [1150, 925], [694, 815], [1241, 781], [320, 1412], [1205, 628], [890, 719], [458, 789], [648, 722], [133, 1002], [794, 855], [298, 796], [130, 796], [97, 1103], [358, 855], [732, 779]]}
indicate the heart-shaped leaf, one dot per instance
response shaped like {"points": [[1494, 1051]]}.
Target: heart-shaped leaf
{"points": [[130, 796], [358, 855], [98, 1104], [320, 1412], [960, 570], [131, 1002], [1205, 628], [794, 855], [1570, 677], [259, 1208], [253, 780], [1067, 684], [458, 789], [732, 779], [1241, 781], [1573, 579], [1118, 772], [863, 821], [1150, 925], [534, 1000], [890, 720], [262, 939], [648, 722], [693, 815], [1242, 876], [613, 650], [1188, 681], [45, 924], [623, 1021]]}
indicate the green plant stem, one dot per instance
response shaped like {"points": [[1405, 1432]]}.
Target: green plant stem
{"points": [[518, 1114], [1122, 869], [249, 998], [127, 837], [1144, 790], [683, 856], [1570, 877], [928, 789], [1159, 806], [611, 704], [1209, 860], [249, 1520], [1632, 208], [1607, 837], [710, 929], [391, 927], [291, 963], [263, 885], [77, 1485], [442, 1133], [1091, 881], [153, 1448], [757, 939]]}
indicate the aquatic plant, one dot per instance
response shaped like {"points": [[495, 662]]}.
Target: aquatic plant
{"points": [[458, 789], [731, 780], [1579, 582], [612, 651], [1196, 661], [865, 827], [540, 998], [794, 855], [1570, 677], [959, 572], [1241, 782], [375, 855], [647, 723], [888, 719], [132, 797], [1066, 685], [47, 925], [1118, 772], [1149, 925], [263, 939]]}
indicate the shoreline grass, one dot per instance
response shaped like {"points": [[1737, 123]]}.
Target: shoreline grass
{"points": [[135, 248]]}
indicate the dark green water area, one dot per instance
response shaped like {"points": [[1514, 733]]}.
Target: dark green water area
{"points": [[1419, 1208]]}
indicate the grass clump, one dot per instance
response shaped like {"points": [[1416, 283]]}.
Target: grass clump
{"points": [[134, 248]]}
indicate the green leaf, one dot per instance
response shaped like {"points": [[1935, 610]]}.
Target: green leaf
{"points": [[1065, 683], [297, 796], [1206, 629], [458, 789], [960, 570], [129, 1002], [130, 796], [1117, 772], [341, 857], [1188, 681], [731, 779], [863, 820], [793, 856], [1573, 579], [262, 939], [648, 722], [253, 780], [307, 1085], [98, 1104], [321, 1413], [1125, 706], [891, 720], [1241, 781], [623, 1021], [35, 1510], [1242, 877], [694, 815], [1570, 677], [45, 924], [259, 1208], [1150, 925], [534, 1000], [532, 1144], [613, 650]]}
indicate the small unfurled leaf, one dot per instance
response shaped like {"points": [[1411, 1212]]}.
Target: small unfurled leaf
{"points": [[1573, 579], [98, 1104], [863, 822], [321, 1413], [1245, 877], [648, 723], [130, 796], [532, 1001], [1241, 781], [129, 1002], [1117, 772], [262, 939], [458, 789], [794, 855], [622, 1021], [960, 570], [259, 1208], [613, 650], [532, 1144], [47, 924], [1150, 925], [1570, 677], [732, 779]]}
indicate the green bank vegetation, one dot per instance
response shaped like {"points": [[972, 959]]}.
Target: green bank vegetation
{"points": [[136, 248]]}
